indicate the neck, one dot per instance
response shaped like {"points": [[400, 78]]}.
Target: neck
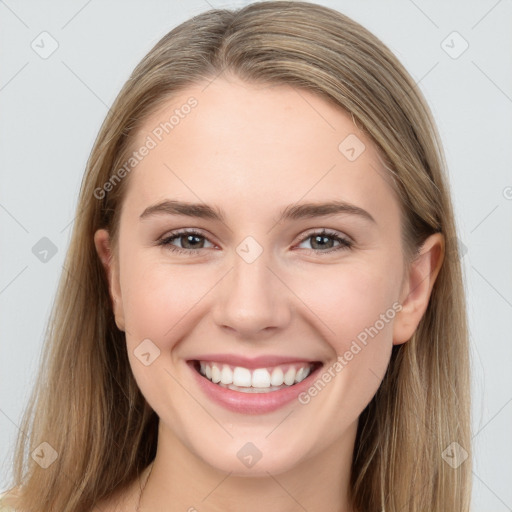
{"points": [[181, 481]]}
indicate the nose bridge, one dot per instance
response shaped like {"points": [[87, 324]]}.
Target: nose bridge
{"points": [[252, 298]]}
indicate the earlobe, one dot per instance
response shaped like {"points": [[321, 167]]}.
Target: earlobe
{"points": [[417, 287], [104, 250]]}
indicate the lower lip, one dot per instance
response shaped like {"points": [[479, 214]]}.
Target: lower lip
{"points": [[252, 403]]}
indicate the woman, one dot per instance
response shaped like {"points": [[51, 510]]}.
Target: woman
{"points": [[262, 304]]}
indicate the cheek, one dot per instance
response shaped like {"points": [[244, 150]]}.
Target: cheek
{"points": [[347, 299], [159, 298], [355, 307]]}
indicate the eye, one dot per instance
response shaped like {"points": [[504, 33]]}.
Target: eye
{"points": [[190, 241], [323, 241]]}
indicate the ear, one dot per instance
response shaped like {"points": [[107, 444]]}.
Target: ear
{"points": [[109, 262], [417, 287]]}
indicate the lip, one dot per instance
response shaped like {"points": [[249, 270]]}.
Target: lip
{"points": [[252, 403]]}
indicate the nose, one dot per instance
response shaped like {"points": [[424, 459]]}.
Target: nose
{"points": [[252, 300]]}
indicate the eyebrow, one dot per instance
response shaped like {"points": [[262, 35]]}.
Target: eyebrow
{"points": [[291, 212]]}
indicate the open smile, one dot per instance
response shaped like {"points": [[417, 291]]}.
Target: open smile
{"points": [[255, 390]]}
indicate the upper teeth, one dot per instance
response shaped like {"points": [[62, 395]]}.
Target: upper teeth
{"points": [[257, 378]]}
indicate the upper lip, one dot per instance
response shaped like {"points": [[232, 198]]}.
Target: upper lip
{"points": [[263, 361]]}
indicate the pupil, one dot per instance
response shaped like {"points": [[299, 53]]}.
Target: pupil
{"points": [[320, 238], [190, 238]]}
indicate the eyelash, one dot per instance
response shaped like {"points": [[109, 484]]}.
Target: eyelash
{"points": [[166, 241]]}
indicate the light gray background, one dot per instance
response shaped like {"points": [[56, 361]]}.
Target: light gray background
{"points": [[51, 110]]}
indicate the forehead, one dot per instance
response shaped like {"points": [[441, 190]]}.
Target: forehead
{"points": [[257, 144]]}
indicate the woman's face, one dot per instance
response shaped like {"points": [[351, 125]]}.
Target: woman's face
{"points": [[257, 290]]}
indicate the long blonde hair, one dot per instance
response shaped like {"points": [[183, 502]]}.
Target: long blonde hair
{"points": [[86, 404]]}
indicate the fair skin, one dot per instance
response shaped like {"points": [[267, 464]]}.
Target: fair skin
{"points": [[252, 150]]}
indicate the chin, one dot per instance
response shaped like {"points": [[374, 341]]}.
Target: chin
{"points": [[255, 458]]}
